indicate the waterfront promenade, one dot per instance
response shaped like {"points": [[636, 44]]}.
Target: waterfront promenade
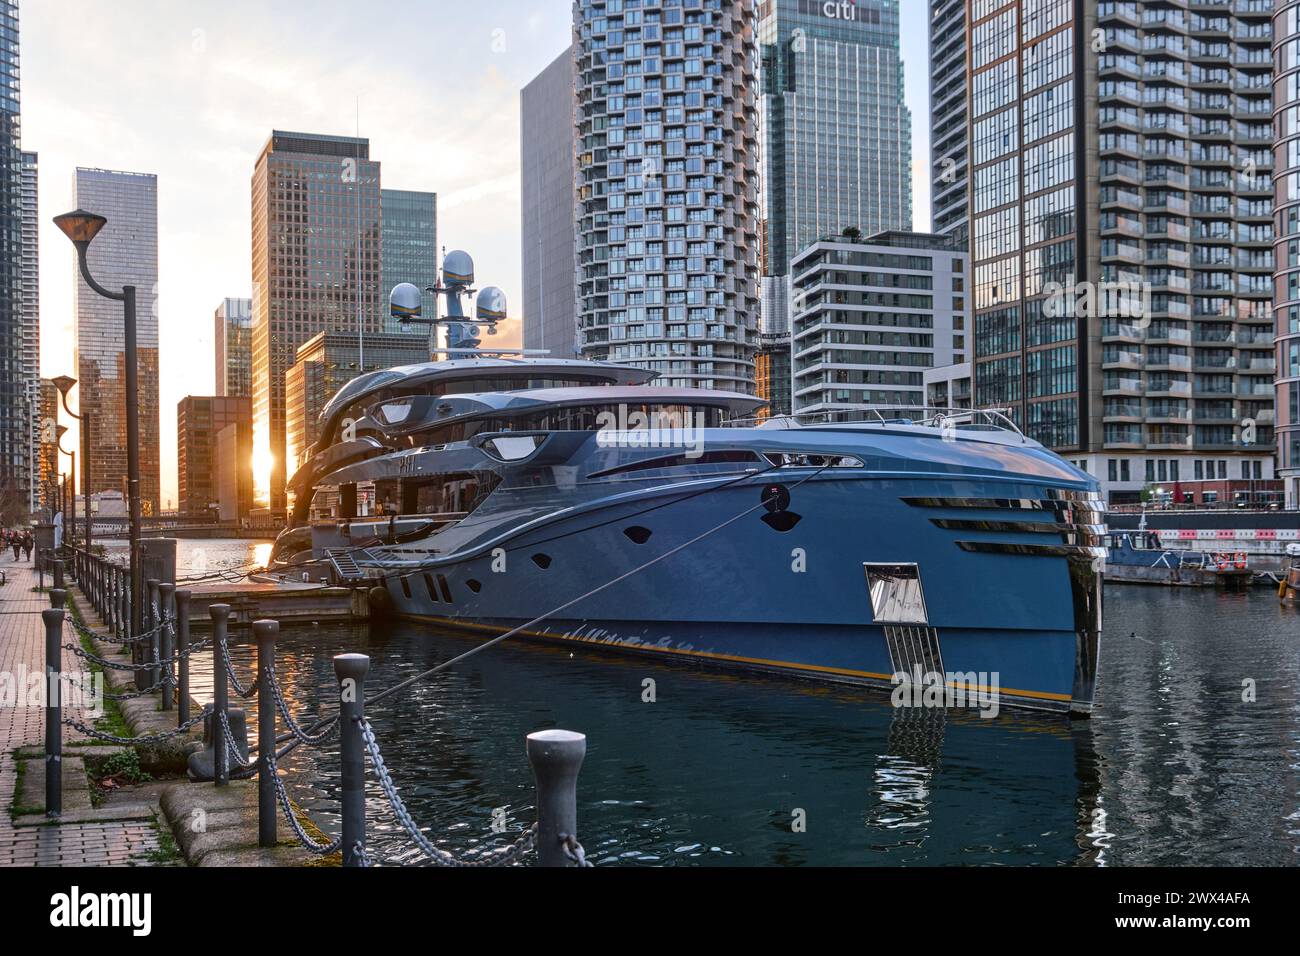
{"points": [[117, 832]]}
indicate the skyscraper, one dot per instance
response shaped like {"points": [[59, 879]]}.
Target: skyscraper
{"points": [[30, 368], [667, 205], [409, 246], [316, 267], [233, 338], [949, 146], [124, 253], [15, 390], [199, 420], [837, 137], [1286, 220], [546, 159], [1120, 228]]}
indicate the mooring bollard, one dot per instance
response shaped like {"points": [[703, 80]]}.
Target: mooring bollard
{"points": [[265, 631], [53, 618], [220, 696], [167, 606], [183, 652], [556, 757], [351, 670], [57, 565]]}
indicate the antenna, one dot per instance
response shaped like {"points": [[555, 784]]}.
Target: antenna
{"points": [[356, 185]]}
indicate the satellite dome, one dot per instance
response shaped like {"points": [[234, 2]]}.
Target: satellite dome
{"points": [[404, 301], [458, 268], [490, 306]]}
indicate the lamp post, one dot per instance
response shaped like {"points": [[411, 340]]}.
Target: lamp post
{"points": [[59, 432], [64, 384], [81, 227]]}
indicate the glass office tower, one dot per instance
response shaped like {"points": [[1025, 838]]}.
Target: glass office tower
{"points": [[233, 336], [837, 137], [410, 246], [316, 267], [667, 206], [124, 253]]}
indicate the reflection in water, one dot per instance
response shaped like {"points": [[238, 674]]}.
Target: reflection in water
{"points": [[1174, 769]]}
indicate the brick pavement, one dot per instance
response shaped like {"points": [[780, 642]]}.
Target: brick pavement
{"points": [[22, 651]]}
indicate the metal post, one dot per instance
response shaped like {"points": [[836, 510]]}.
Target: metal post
{"points": [[183, 647], [220, 696], [556, 756], [132, 444], [351, 671], [85, 474], [265, 632], [167, 606], [53, 618], [58, 572], [154, 643]]}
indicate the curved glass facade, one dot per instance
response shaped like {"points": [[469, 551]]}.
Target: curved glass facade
{"points": [[1286, 218], [667, 207]]}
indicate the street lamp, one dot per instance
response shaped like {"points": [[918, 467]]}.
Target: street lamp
{"points": [[64, 384], [59, 432], [81, 227]]}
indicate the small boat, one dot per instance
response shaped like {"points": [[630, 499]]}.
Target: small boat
{"points": [[1138, 557], [584, 503]]}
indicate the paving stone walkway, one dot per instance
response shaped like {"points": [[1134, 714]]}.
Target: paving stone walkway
{"points": [[22, 652]]}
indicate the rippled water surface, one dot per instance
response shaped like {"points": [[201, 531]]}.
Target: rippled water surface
{"points": [[1175, 768]]}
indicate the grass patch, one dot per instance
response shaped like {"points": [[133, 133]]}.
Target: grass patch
{"points": [[112, 721], [18, 808], [168, 853], [114, 771]]}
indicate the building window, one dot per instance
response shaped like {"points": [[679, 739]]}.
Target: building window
{"points": [[1112, 472]]}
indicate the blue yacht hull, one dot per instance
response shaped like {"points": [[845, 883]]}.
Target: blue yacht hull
{"points": [[1002, 607]]}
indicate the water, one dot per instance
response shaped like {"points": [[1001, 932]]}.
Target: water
{"points": [[199, 556], [1174, 769]]}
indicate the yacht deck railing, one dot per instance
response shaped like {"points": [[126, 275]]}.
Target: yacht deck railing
{"points": [[929, 416]]}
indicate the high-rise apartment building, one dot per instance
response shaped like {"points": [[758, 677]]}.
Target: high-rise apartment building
{"points": [[949, 145], [1121, 232], [409, 246], [546, 181], [1286, 225], [871, 315], [667, 205], [30, 326], [124, 253], [836, 136], [233, 338], [199, 420], [316, 267]]}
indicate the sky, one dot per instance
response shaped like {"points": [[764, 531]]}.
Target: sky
{"points": [[191, 90]]}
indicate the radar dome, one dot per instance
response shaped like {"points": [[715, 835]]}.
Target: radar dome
{"points": [[458, 268], [490, 306], [404, 301]]}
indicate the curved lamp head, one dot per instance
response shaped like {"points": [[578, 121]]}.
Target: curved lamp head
{"points": [[64, 384], [80, 226]]}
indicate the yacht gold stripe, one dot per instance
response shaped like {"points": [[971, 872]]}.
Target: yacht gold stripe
{"points": [[845, 672]]}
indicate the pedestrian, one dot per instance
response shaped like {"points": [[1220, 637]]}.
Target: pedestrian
{"points": [[18, 546], [28, 543]]}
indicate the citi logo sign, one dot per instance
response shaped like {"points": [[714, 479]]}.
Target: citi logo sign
{"points": [[74, 909], [845, 10]]}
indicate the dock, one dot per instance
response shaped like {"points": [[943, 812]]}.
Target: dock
{"points": [[289, 604]]}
